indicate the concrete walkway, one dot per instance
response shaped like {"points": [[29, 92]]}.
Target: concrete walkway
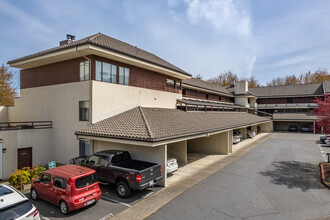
{"points": [[187, 177]]}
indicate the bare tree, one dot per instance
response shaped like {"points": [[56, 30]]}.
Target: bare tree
{"points": [[225, 79]]}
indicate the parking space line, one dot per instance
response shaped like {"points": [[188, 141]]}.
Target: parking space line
{"points": [[42, 217], [147, 195], [115, 201]]}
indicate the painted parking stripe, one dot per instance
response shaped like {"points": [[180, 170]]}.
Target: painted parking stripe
{"points": [[147, 195], [115, 201]]}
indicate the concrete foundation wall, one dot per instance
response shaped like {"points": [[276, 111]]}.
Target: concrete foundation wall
{"points": [[12, 140], [178, 150], [111, 99], [214, 144], [152, 154], [3, 113]]}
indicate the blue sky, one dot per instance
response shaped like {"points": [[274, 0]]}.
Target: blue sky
{"points": [[262, 38]]}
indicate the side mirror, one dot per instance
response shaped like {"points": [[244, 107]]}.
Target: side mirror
{"points": [[38, 180]]}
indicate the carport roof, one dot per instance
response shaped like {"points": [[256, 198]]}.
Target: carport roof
{"points": [[160, 124], [298, 116]]}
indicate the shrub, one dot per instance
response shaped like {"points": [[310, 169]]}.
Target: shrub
{"points": [[15, 178], [27, 175]]}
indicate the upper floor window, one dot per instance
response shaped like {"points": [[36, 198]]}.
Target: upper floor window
{"points": [[290, 100], [178, 85], [84, 111], [170, 83], [106, 72], [84, 71], [123, 76]]}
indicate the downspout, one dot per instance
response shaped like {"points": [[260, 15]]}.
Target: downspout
{"points": [[90, 88]]}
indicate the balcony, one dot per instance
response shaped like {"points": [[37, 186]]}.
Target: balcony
{"points": [[287, 106], [25, 125]]}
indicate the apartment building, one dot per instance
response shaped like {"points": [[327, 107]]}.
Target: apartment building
{"points": [[101, 93]]}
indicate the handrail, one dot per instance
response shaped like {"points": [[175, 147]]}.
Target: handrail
{"points": [[25, 125]]}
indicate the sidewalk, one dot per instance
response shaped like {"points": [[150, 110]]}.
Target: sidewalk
{"points": [[189, 176]]}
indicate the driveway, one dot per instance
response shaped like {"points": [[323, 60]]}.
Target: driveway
{"points": [[279, 179]]}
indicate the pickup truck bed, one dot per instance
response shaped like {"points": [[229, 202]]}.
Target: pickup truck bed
{"points": [[135, 165]]}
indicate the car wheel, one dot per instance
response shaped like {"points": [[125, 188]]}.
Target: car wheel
{"points": [[64, 207], [34, 194], [123, 190]]}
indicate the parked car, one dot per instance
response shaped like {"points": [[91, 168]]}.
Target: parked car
{"points": [[236, 139], [172, 165], [117, 167], [14, 205], [322, 139], [327, 140], [250, 134], [237, 133], [305, 128], [293, 128], [70, 187]]}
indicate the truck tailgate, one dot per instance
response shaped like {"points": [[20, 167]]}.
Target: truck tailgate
{"points": [[150, 174]]}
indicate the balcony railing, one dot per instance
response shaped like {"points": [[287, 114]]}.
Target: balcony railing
{"points": [[25, 125], [288, 105]]}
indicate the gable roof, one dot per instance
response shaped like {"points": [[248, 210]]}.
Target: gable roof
{"points": [[288, 90], [326, 86], [112, 44], [158, 124], [201, 84]]}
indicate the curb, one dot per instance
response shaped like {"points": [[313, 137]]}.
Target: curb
{"points": [[323, 176]]}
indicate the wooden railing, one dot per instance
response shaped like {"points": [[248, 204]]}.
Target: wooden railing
{"points": [[25, 125]]}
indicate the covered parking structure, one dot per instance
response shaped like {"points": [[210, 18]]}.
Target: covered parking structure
{"points": [[282, 121], [152, 134]]}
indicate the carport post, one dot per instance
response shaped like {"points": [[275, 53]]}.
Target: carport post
{"points": [[314, 127]]}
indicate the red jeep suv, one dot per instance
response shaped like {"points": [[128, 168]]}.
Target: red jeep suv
{"points": [[71, 187]]}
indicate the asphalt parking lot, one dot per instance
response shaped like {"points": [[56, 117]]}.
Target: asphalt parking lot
{"points": [[109, 205], [279, 179]]}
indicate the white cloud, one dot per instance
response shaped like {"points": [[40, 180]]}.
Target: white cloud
{"points": [[251, 65], [227, 16]]}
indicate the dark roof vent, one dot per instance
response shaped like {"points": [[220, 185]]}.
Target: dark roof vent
{"points": [[69, 39]]}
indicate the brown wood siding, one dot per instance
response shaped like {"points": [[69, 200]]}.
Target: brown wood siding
{"points": [[51, 74], [285, 100]]}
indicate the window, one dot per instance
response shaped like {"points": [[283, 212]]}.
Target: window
{"points": [[85, 181], [123, 76], [178, 85], [219, 98], [207, 96], [45, 178], [84, 71], [59, 182], [16, 210], [170, 83], [93, 160], [83, 148], [84, 111], [290, 100], [106, 72], [184, 92]]}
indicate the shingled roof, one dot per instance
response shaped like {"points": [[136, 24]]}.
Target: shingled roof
{"points": [[112, 44], [159, 124], [326, 87], [288, 90], [294, 116], [206, 85]]}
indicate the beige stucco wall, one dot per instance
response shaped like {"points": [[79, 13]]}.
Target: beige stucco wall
{"points": [[152, 154], [254, 128], [59, 104], [241, 87], [178, 150], [111, 99], [230, 142], [266, 127], [243, 101], [3, 113], [214, 144], [38, 139]]}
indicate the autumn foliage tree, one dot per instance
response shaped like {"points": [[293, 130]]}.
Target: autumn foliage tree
{"points": [[323, 113], [7, 86]]}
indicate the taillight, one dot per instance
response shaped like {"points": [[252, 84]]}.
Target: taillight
{"points": [[138, 178], [34, 213], [160, 169], [79, 200]]}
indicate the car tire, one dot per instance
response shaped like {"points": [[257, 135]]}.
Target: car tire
{"points": [[123, 190], [64, 207], [34, 194]]}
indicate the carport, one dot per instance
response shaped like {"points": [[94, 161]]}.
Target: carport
{"points": [[282, 121], [151, 134]]}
